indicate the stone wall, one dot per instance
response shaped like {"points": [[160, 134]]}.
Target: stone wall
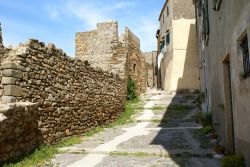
{"points": [[136, 61], [2, 51], [102, 49], [105, 49], [1, 37], [71, 96], [18, 129]]}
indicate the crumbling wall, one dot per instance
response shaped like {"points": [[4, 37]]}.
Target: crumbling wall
{"points": [[71, 96], [101, 47], [18, 129], [136, 61], [2, 56]]}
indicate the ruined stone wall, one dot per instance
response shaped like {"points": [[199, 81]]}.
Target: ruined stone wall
{"points": [[2, 55], [102, 49], [1, 37], [18, 129], [136, 61], [71, 96]]}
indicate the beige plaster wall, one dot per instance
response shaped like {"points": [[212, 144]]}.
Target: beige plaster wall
{"points": [[181, 71], [227, 26]]}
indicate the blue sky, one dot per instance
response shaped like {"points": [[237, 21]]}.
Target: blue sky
{"points": [[57, 21]]}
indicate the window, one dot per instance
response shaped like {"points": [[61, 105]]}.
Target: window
{"points": [[163, 19], [199, 7], [134, 68], [216, 4], [205, 21], [168, 38], [246, 59]]}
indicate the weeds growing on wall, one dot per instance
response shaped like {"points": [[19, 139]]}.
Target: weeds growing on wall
{"points": [[131, 87]]}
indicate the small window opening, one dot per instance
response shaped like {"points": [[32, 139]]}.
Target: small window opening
{"points": [[245, 53]]}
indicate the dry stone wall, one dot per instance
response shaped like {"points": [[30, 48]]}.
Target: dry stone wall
{"points": [[18, 129], [71, 96]]}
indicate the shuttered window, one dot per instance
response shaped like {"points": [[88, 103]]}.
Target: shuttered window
{"points": [[168, 38], [246, 59], [206, 29]]}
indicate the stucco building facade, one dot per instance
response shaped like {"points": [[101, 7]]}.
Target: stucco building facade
{"points": [[120, 54], [223, 29], [177, 51]]}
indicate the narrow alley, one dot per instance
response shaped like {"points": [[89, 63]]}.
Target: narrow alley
{"points": [[162, 135]]}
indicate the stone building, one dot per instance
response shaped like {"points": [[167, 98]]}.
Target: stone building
{"points": [[121, 55], [150, 58], [177, 57], [223, 30]]}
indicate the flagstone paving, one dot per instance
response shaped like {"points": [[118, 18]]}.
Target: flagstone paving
{"points": [[161, 136]]}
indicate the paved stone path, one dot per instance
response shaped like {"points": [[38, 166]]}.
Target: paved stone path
{"points": [[159, 137]]}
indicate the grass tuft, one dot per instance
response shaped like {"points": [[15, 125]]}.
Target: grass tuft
{"points": [[43, 153]]}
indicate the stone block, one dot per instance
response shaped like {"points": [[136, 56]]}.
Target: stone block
{"points": [[8, 80], [12, 90], [12, 73], [8, 65], [8, 99]]}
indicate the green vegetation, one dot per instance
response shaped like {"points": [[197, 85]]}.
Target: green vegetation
{"points": [[131, 87], [94, 131], [204, 118], [189, 96], [204, 141], [207, 129], [178, 111], [127, 115], [43, 153], [134, 154], [233, 161], [158, 108]]}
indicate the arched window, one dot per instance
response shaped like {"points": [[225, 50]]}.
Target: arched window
{"points": [[134, 68]]}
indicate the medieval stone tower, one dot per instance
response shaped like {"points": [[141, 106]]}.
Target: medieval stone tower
{"points": [[105, 49]]}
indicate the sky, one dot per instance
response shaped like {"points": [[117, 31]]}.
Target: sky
{"points": [[57, 21]]}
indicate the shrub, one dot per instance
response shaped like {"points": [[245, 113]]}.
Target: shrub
{"points": [[207, 129], [204, 118], [233, 161], [131, 87]]}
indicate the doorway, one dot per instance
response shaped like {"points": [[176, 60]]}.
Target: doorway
{"points": [[229, 120]]}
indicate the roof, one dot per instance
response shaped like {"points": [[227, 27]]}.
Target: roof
{"points": [[165, 4]]}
